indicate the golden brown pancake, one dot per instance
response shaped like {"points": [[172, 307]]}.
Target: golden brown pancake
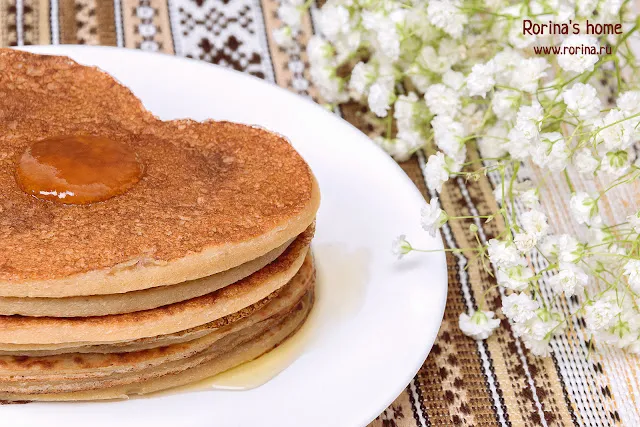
{"points": [[83, 366], [214, 195], [162, 320], [145, 299], [258, 311], [225, 353]]}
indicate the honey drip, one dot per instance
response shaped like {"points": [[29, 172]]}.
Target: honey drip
{"points": [[77, 169]]}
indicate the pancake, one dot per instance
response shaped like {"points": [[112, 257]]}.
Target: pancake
{"points": [[269, 306], [227, 352], [214, 195], [146, 299], [84, 366], [162, 320]]}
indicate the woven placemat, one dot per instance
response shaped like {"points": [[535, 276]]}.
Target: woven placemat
{"points": [[463, 382]]}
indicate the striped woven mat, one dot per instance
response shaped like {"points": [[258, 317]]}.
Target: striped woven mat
{"points": [[463, 382]]}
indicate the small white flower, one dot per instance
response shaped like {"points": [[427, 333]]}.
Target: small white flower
{"points": [[534, 222], [584, 209], [614, 130], [448, 134], [634, 220], [381, 95], [616, 163], [519, 307], [632, 271], [504, 103], [429, 59], [570, 279], [333, 20], [328, 84], [478, 326], [629, 102], [529, 198], [600, 314], [550, 151], [453, 79], [582, 60], [528, 120], [362, 76], [406, 142], [385, 36], [503, 254], [442, 100], [290, 15], [586, 7], [527, 75], [582, 100], [432, 217], [584, 162], [436, 171], [319, 51], [446, 15], [516, 278], [404, 111], [400, 246], [525, 241], [518, 146], [493, 144], [284, 37], [480, 80]]}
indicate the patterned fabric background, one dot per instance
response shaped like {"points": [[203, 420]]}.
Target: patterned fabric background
{"points": [[463, 382]]}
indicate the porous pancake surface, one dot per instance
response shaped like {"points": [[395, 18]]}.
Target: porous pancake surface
{"points": [[213, 196]]}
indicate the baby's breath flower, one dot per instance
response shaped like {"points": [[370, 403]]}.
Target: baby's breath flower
{"points": [[516, 278], [504, 103], [436, 171], [569, 280], [362, 76], [584, 162], [584, 209], [432, 217], [519, 307], [581, 61], [400, 246], [442, 99], [503, 254], [534, 222], [284, 37], [381, 95], [629, 102], [480, 325], [600, 314], [481, 80], [446, 15], [582, 100], [333, 20]]}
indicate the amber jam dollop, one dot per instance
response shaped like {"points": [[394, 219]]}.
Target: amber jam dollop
{"points": [[78, 169]]}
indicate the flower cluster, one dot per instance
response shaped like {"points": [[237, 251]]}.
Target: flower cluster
{"points": [[449, 76]]}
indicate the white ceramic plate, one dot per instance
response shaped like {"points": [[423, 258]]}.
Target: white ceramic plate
{"points": [[376, 318]]}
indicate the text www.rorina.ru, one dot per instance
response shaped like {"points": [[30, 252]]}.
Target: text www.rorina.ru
{"points": [[572, 50]]}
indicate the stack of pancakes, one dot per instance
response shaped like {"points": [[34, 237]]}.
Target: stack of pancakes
{"points": [[202, 265]]}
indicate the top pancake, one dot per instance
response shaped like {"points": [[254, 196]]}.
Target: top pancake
{"points": [[214, 194]]}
